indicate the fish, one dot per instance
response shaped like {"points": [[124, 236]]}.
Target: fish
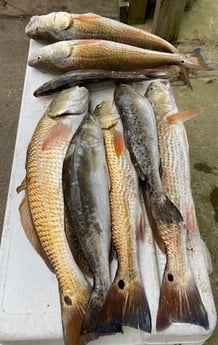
{"points": [[61, 26], [140, 134], [42, 208], [180, 300], [79, 77], [86, 193], [126, 302], [70, 55]]}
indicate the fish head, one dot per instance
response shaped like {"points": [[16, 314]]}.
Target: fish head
{"points": [[107, 115], [160, 95], [47, 57], [46, 27], [73, 101]]}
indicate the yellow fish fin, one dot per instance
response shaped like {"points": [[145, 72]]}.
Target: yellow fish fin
{"points": [[58, 133], [119, 144], [26, 221], [182, 116], [73, 313]]}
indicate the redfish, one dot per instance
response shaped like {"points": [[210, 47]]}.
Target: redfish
{"points": [[60, 26], [126, 302], [101, 54], [180, 300], [42, 209]]}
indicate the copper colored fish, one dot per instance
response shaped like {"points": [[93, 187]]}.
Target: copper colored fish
{"points": [[60, 26], [180, 300], [42, 209], [126, 302]]}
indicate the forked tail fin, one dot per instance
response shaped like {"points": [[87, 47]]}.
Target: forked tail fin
{"points": [[162, 208], [72, 318], [125, 305], [180, 302]]}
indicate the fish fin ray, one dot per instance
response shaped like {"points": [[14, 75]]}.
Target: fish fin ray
{"points": [[197, 60], [127, 306], [72, 318], [29, 229], [191, 220], [119, 144], [162, 208], [182, 116], [180, 302], [55, 135]]}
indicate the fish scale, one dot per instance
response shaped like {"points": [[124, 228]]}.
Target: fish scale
{"points": [[180, 300]]}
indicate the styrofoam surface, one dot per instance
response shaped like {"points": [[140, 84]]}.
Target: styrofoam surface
{"points": [[29, 301]]}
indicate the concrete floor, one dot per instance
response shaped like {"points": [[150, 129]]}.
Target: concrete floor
{"points": [[199, 28]]}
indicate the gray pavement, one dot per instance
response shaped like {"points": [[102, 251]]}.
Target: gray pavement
{"points": [[199, 28]]}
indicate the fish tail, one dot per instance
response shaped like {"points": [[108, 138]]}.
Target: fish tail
{"points": [[162, 208], [196, 60], [180, 302], [126, 304], [73, 314]]}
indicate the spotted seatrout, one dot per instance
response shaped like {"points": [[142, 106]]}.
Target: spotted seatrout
{"points": [[42, 209], [86, 195], [126, 303], [180, 300], [141, 137]]}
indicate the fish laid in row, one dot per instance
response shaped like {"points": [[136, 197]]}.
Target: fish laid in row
{"points": [[42, 209], [180, 300], [126, 302], [81, 77], [61, 26], [141, 137], [108, 55], [86, 194]]}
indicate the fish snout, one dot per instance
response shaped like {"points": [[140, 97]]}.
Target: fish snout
{"points": [[30, 26]]}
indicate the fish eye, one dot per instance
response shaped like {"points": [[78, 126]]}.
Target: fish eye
{"points": [[182, 61], [39, 57]]}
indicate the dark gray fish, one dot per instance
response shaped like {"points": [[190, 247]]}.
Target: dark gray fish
{"points": [[79, 77], [141, 137], [86, 194]]}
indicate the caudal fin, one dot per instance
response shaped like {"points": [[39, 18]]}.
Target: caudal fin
{"points": [[180, 302], [72, 318], [162, 208], [125, 305], [196, 60]]}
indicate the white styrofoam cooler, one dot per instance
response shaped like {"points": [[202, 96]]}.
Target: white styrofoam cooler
{"points": [[29, 300]]}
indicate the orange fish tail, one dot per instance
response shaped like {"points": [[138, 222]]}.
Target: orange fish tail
{"points": [[126, 304], [180, 302], [163, 208], [73, 314]]}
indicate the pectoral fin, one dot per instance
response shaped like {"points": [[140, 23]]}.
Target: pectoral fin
{"points": [[182, 116], [119, 144], [57, 134]]}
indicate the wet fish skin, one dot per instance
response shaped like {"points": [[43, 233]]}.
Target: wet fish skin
{"points": [[65, 56], [86, 194], [45, 155], [79, 77], [141, 137], [59, 26], [180, 300], [126, 302]]}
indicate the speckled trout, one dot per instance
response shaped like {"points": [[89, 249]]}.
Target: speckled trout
{"points": [[126, 302], [86, 193], [42, 209], [180, 300], [140, 132]]}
